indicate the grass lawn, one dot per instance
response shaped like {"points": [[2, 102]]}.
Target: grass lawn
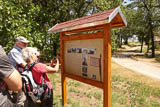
{"points": [[128, 89]]}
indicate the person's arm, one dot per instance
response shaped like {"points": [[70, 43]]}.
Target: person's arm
{"points": [[18, 58], [8, 73], [23, 64], [53, 69], [14, 81]]}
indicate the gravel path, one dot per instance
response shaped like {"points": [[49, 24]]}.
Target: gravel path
{"points": [[145, 68]]}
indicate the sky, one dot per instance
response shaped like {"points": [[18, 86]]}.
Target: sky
{"points": [[127, 2]]}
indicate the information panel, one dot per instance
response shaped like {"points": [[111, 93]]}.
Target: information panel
{"points": [[84, 58]]}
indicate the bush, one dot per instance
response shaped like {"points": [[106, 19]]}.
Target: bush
{"points": [[158, 58]]}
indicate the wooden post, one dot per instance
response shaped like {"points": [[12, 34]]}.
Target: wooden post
{"points": [[107, 66], [63, 78]]}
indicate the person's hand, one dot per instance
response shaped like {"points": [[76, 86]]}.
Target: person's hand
{"points": [[57, 65], [52, 62]]}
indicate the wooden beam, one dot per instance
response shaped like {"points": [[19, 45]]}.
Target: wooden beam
{"points": [[117, 21], [84, 36], [116, 25], [86, 29], [63, 78], [107, 66], [85, 80]]}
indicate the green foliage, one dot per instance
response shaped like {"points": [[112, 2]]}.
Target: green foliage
{"points": [[158, 59], [33, 18], [77, 84], [97, 95], [147, 20], [135, 93], [74, 90], [73, 102], [91, 94], [18, 19], [155, 104], [114, 98], [157, 45], [56, 102], [102, 5], [115, 42]]}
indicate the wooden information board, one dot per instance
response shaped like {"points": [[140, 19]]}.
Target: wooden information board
{"points": [[85, 50], [84, 58]]}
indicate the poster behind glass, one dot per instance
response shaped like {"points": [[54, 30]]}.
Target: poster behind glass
{"points": [[84, 58]]}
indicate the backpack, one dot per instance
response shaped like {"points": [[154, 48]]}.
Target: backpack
{"points": [[32, 89], [20, 68]]}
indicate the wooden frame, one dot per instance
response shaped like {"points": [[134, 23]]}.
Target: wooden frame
{"points": [[72, 30], [106, 84]]}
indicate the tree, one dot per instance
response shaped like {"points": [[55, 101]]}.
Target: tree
{"points": [[57, 11], [33, 18], [151, 13], [16, 19], [102, 5]]}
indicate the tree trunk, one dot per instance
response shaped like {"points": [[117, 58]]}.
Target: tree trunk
{"points": [[126, 41], [120, 41], [148, 47], [142, 43], [54, 49], [148, 38], [153, 47], [152, 36]]}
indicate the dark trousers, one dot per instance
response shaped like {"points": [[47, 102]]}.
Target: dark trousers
{"points": [[44, 103]]}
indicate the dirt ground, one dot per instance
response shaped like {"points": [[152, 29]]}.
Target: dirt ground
{"points": [[131, 58]]}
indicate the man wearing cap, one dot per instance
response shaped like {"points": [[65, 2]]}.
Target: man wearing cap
{"points": [[15, 57]]}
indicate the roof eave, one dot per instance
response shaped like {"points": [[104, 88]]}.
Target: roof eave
{"points": [[114, 13], [101, 22], [50, 30]]}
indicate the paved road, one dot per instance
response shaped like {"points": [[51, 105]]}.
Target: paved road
{"points": [[145, 68]]}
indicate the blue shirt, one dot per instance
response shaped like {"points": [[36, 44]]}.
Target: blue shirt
{"points": [[15, 56]]}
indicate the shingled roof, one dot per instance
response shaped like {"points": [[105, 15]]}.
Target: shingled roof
{"points": [[113, 16]]}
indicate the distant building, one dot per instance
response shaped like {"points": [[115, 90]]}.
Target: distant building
{"points": [[157, 40], [134, 38]]}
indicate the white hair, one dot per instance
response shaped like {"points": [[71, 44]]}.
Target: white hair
{"points": [[28, 52]]}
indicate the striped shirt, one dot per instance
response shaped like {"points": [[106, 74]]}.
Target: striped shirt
{"points": [[15, 56]]}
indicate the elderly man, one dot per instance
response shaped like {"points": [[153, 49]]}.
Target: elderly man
{"points": [[15, 57], [9, 79]]}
